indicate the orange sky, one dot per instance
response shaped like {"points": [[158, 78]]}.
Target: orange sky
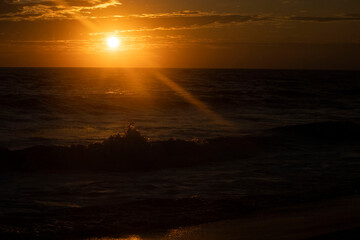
{"points": [[321, 34]]}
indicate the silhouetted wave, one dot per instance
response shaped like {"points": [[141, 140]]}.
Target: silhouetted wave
{"points": [[132, 151]]}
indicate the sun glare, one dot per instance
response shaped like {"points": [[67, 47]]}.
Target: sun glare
{"points": [[113, 42]]}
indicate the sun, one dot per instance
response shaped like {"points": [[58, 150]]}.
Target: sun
{"points": [[113, 42]]}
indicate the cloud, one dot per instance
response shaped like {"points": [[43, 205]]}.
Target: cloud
{"points": [[180, 20], [30, 10], [348, 17], [192, 27], [57, 2], [196, 18]]}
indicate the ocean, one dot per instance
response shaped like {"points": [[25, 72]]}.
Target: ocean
{"points": [[64, 106], [251, 139]]}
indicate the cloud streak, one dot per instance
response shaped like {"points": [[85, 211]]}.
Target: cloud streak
{"points": [[37, 10], [31, 10], [347, 17]]}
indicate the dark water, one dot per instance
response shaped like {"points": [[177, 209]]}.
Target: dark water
{"points": [[64, 106]]}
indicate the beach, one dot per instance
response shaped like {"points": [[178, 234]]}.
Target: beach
{"points": [[328, 219]]}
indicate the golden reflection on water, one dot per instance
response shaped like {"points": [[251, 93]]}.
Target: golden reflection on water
{"points": [[134, 237], [186, 233], [217, 231]]}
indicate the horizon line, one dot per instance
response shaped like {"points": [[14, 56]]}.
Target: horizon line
{"points": [[197, 68]]}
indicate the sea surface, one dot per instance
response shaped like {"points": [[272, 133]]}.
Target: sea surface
{"points": [[82, 105], [318, 112]]}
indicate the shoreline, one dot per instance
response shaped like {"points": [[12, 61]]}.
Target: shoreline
{"points": [[327, 219]]}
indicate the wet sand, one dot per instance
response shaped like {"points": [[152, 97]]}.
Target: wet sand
{"points": [[297, 222], [330, 219]]}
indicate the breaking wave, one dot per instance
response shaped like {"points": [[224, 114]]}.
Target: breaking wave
{"points": [[131, 151]]}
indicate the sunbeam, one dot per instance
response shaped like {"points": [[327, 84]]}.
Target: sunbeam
{"points": [[191, 99]]}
